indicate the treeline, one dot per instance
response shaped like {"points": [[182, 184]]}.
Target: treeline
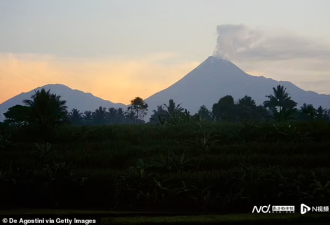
{"points": [[48, 110]]}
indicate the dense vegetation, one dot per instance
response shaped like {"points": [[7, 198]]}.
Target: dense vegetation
{"points": [[228, 160]]}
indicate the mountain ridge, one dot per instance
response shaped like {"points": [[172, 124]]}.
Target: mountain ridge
{"points": [[75, 99], [215, 78], [204, 85]]}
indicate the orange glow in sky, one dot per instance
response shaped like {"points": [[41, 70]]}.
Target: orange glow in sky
{"points": [[116, 80]]}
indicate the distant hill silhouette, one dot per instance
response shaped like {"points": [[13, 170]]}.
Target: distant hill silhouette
{"points": [[216, 77], [75, 99], [205, 85]]}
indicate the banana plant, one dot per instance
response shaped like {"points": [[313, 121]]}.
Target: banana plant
{"points": [[207, 140], [41, 151]]}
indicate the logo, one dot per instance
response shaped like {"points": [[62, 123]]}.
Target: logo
{"points": [[304, 208], [283, 208], [274, 209], [263, 209]]}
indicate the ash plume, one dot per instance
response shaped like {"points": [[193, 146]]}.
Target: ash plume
{"points": [[233, 39]]}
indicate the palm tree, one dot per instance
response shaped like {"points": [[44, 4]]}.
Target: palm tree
{"points": [[322, 114], [156, 113], [87, 117], [112, 115], [280, 104], [99, 115], [47, 110], [309, 111], [75, 116], [172, 109], [120, 115]]}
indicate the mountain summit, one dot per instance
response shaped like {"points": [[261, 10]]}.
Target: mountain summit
{"points": [[216, 78]]}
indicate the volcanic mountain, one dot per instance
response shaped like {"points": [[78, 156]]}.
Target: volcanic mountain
{"points": [[205, 85], [216, 78], [75, 99]]}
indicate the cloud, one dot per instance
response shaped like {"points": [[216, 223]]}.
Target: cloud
{"points": [[242, 42], [114, 79], [280, 55]]}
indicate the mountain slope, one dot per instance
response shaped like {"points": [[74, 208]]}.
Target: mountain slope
{"points": [[75, 99], [216, 77]]}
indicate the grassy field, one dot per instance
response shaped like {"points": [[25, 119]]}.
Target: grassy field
{"points": [[207, 167]]}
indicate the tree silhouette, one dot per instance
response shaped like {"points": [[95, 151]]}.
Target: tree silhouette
{"points": [[247, 102], [308, 112], [130, 117], [47, 110], [246, 108], [99, 115], [225, 109], [87, 117], [172, 110], [204, 113], [112, 115], [156, 113], [280, 104], [322, 114], [17, 115], [75, 116], [138, 107], [120, 115]]}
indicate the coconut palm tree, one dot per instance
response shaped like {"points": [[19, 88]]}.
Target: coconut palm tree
{"points": [[99, 115], [75, 116], [322, 114], [309, 111], [47, 110], [280, 104], [159, 112], [120, 115], [173, 110], [87, 117]]}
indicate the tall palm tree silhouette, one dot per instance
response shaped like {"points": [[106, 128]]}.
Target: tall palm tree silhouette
{"points": [[75, 116], [280, 103], [47, 110], [99, 115], [172, 109]]}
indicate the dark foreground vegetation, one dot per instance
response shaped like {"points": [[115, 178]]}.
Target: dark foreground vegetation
{"points": [[186, 167], [181, 163]]}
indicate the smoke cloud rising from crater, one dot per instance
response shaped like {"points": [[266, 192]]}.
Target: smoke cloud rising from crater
{"points": [[238, 42]]}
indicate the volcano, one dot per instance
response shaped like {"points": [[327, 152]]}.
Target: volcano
{"points": [[216, 78], [205, 85]]}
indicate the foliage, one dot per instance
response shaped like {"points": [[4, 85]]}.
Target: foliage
{"points": [[138, 107], [280, 104], [17, 115], [185, 162], [225, 109], [203, 142], [46, 110]]}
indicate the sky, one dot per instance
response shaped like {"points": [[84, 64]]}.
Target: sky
{"points": [[121, 49]]}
